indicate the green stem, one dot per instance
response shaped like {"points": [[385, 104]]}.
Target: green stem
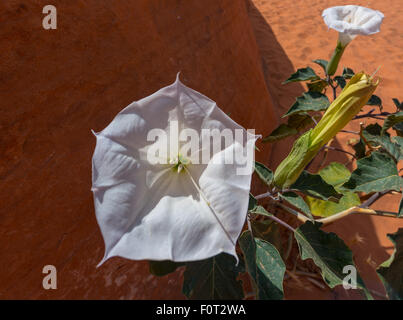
{"points": [[334, 61]]}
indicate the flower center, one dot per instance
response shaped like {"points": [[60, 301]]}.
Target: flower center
{"points": [[179, 163]]}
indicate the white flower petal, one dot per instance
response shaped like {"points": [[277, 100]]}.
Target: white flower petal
{"points": [[150, 211], [353, 20]]}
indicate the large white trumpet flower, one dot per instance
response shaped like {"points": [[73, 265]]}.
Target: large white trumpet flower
{"points": [[162, 196]]}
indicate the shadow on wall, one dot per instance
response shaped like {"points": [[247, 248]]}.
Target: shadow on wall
{"points": [[277, 67]]}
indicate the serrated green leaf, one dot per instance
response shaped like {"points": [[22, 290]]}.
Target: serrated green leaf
{"points": [[374, 135], [374, 173], [341, 81], [335, 174], [348, 73], [297, 201], [264, 173], [322, 63], [302, 74], [313, 185], [327, 251], [162, 268], [374, 101], [264, 265], [390, 271], [392, 120], [213, 279], [309, 101]]}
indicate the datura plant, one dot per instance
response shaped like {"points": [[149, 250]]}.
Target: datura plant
{"points": [[172, 174], [354, 96]]}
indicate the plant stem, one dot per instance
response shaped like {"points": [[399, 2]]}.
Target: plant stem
{"points": [[373, 115], [340, 150], [373, 198], [263, 195], [300, 216], [361, 210], [334, 60], [345, 213], [274, 218], [330, 82], [249, 225], [348, 131]]}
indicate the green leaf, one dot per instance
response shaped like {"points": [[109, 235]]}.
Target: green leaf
{"points": [[297, 201], [327, 251], [162, 268], [261, 211], [398, 127], [213, 279], [374, 101], [300, 121], [295, 123], [376, 172], [398, 104], [252, 202], [376, 137], [264, 173], [341, 81], [323, 208], [302, 74], [309, 101], [399, 141], [390, 271], [392, 120], [264, 265], [281, 132], [267, 230], [322, 63], [317, 85], [360, 149], [335, 174], [348, 73], [313, 185]]}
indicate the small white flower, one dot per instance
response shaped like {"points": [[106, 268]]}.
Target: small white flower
{"points": [[352, 20], [174, 210]]}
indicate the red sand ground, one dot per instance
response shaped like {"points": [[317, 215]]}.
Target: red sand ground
{"points": [[56, 85]]}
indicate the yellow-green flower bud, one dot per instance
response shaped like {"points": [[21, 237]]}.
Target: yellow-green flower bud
{"points": [[342, 110]]}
